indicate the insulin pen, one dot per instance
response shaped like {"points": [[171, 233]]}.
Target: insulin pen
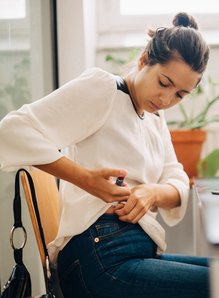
{"points": [[119, 181]]}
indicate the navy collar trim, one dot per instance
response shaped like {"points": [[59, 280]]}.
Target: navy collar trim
{"points": [[122, 86]]}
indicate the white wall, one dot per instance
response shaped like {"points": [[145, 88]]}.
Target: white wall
{"points": [[71, 51], [90, 32], [76, 21]]}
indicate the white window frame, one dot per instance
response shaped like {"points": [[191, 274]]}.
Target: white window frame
{"points": [[21, 23], [110, 19], [17, 29], [11, 8]]}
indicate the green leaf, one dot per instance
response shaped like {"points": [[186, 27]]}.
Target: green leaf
{"points": [[183, 112], [199, 90], [204, 112], [133, 54], [203, 123], [119, 61], [174, 122], [209, 165]]}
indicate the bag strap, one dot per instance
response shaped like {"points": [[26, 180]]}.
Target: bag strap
{"points": [[18, 255], [17, 217], [17, 205]]}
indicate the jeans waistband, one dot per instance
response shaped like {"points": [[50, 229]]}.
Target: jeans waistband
{"points": [[108, 216]]}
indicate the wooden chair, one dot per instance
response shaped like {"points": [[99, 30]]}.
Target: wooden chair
{"points": [[47, 195]]}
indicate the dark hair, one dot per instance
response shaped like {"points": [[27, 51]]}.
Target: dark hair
{"points": [[183, 41]]}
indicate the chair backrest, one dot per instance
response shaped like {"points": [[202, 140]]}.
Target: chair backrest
{"points": [[48, 203]]}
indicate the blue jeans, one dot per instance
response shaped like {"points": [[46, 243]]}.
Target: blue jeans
{"points": [[116, 259]]}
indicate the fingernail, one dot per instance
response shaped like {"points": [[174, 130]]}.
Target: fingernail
{"points": [[123, 172]]}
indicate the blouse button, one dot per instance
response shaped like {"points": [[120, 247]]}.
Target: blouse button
{"points": [[96, 240]]}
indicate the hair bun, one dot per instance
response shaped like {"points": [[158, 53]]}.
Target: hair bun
{"points": [[185, 20]]}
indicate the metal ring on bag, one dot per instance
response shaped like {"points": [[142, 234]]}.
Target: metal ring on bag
{"points": [[11, 237]]}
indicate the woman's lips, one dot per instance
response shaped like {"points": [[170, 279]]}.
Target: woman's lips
{"points": [[154, 106]]}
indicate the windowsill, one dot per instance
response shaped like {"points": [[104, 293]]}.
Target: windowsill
{"points": [[126, 40], [119, 40]]}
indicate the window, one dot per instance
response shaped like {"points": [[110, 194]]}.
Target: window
{"points": [[132, 15], [140, 7], [12, 9]]}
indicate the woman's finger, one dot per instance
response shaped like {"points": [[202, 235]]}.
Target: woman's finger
{"points": [[108, 172]]}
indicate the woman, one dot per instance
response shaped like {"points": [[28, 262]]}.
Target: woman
{"points": [[109, 243]]}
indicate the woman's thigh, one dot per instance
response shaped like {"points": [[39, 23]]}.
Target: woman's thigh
{"points": [[192, 260], [116, 259], [158, 278]]}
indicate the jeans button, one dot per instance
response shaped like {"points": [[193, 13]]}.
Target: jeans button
{"points": [[96, 239]]}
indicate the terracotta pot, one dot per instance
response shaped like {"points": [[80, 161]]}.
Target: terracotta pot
{"points": [[188, 145]]}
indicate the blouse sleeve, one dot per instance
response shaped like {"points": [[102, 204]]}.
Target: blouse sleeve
{"points": [[174, 175], [34, 134]]}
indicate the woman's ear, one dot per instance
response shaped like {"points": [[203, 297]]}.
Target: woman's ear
{"points": [[143, 60]]}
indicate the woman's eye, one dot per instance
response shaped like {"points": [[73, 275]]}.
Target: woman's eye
{"points": [[163, 85], [178, 95]]}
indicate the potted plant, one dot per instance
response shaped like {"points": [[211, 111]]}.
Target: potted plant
{"points": [[187, 134]]}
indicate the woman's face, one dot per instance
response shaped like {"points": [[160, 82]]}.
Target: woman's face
{"points": [[160, 87]]}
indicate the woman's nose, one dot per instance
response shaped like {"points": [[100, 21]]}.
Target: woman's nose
{"points": [[166, 98]]}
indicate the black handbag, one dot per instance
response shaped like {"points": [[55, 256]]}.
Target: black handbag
{"points": [[19, 283]]}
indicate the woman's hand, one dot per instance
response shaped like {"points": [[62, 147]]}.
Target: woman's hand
{"points": [[97, 182], [143, 197], [139, 202], [100, 183]]}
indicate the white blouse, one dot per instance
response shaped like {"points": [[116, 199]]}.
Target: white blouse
{"points": [[95, 125]]}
